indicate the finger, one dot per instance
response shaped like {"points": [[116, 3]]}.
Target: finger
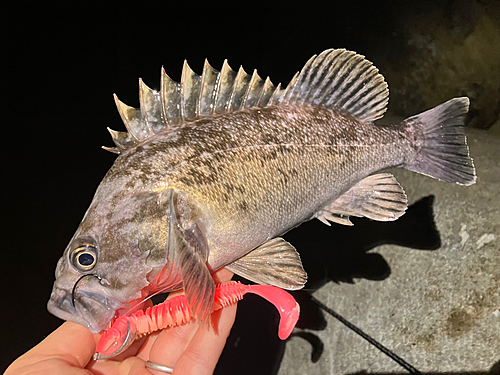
{"points": [[71, 342], [205, 348], [137, 344], [130, 366], [148, 343], [171, 343], [167, 347], [70, 346], [51, 366], [179, 338], [222, 276]]}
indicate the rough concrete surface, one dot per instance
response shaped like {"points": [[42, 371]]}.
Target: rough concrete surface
{"points": [[438, 310]]}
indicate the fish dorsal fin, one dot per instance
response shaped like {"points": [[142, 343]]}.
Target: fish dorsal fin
{"points": [[342, 80], [194, 97], [335, 79]]}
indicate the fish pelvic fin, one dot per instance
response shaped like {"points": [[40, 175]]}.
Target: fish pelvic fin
{"points": [[275, 262], [442, 151]]}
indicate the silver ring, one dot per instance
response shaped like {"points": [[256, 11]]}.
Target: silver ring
{"points": [[158, 367]]}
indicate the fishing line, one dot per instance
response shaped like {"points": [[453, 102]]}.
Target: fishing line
{"points": [[160, 291], [400, 361]]}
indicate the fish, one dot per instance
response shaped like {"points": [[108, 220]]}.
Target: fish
{"points": [[213, 170]]}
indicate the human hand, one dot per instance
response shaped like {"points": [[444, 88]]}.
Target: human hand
{"points": [[188, 349]]}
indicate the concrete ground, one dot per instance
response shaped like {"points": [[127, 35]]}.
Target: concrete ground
{"points": [[439, 310]]}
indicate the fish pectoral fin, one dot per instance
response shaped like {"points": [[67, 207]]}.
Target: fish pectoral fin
{"points": [[188, 249], [276, 263], [377, 197], [199, 285]]}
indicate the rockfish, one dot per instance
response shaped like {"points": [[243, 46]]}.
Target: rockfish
{"points": [[212, 170]]}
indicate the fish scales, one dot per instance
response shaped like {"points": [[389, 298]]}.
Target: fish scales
{"points": [[276, 169], [213, 170]]}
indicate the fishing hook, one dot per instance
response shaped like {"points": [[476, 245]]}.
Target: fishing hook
{"points": [[76, 284]]}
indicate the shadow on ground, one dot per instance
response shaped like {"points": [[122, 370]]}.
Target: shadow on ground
{"points": [[339, 254]]}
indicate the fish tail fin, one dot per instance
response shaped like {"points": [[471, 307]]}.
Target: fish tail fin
{"points": [[442, 151]]}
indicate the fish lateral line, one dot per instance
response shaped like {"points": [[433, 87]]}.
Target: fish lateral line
{"points": [[176, 311]]}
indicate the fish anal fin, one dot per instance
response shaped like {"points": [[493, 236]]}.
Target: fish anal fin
{"points": [[276, 263], [377, 197], [326, 217]]}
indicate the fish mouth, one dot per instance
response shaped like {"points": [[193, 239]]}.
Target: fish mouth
{"points": [[90, 309]]}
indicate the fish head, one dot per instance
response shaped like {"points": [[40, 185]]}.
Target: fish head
{"points": [[114, 260]]}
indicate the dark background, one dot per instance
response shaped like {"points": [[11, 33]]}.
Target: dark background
{"points": [[61, 67]]}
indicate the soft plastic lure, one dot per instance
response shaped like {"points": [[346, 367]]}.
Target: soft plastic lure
{"points": [[173, 312]]}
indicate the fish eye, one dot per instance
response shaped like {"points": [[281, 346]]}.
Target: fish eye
{"points": [[84, 257]]}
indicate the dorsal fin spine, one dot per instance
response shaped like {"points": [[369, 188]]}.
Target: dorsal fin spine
{"points": [[183, 89], [114, 150], [124, 110], [284, 95], [225, 87], [239, 88], [151, 111], [122, 140], [190, 93], [250, 99], [218, 87], [170, 99], [275, 95], [293, 94], [208, 89], [266, 92], [244, 98], [320, 60]]}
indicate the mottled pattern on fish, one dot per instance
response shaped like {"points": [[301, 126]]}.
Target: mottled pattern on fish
{"points": [[238, 166], [214, 169]]}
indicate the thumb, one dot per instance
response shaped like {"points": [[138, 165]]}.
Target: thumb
{"points": [[71, 343]]}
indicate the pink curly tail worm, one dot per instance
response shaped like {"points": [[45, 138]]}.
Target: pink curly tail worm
{"points": [[176, 311]]}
